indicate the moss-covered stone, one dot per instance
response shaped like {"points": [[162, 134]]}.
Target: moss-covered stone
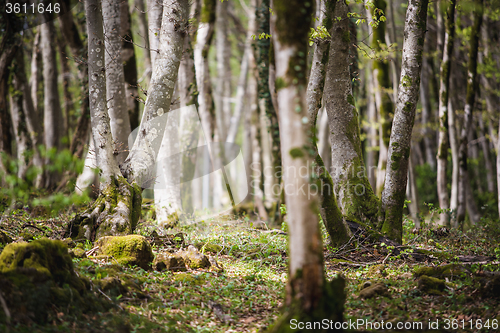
{"points": [[208, 247], [377, 289], [127, 250], [194, 259], [169, 261], [77, 252], [189, 278], [431, 285], [37, 281], [449, 271], [377, 271]]}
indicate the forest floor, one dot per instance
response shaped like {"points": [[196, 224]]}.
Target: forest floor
{"points": [[382, 281]]}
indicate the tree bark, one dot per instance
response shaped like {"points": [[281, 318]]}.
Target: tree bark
{"points": [[155, 10], [329, 210], [144, 33], [140, 163], [442, 152], [393, 196], [355, 196], [53, 121], [383, 100], [115, 82], [468, 110], [129, 66], [308, 294]]}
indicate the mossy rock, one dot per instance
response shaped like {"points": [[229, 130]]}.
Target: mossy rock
{"points": [[194, 259], [208, 247], [77, 252], [377, 289], [27, 236], [127, 250], [450, 271], [37, 281], [189, 278], [4, 238], [431, 285], [169, 261]]}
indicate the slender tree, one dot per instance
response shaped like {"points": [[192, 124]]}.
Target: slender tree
{"points": [[330, 213], [393, 195], [442, 153], [468, 110], [308, 294], [115, 81]]}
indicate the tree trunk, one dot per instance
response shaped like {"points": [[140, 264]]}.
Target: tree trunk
{"points": [[144, 33], [426, 121], [393, 196], [79, 51], [115, 82], [329, 210], [383, 100], [223, 75], [355, 196], [442, 152], [468, 110], [308, 294], [117, 209], [26, 120], [129, 66], [155, 10], [53, 121]]}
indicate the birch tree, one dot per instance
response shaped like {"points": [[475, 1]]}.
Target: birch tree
{"points": [[308, 294], [393, 195], [442, 153]]}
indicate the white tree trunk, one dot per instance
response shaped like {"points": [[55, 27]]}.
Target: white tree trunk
{"points": [[155, 11], [115, 83], [53, 121]]}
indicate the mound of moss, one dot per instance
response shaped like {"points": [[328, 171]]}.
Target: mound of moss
{"points": [[38, 282], [127, 250], [431, 285], [450, 271]]}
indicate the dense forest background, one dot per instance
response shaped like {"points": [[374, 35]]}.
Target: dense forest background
{"points": [[139, 118]]}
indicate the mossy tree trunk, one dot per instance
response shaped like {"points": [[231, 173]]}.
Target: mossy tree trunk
{"points": [[266, 104], [442, 153], [117, 209], [383, 100], [330, 212], [472, 84], [308, 295], [393, 195], [355, 196]]}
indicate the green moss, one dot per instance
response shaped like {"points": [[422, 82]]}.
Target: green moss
{"points": [[288, 13], [297, 153], [406, 81], [332, 219], [445, 271], [127, 250], [350, 100], [280, 83], [208, 11], [189, 278], [431, 285]]}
